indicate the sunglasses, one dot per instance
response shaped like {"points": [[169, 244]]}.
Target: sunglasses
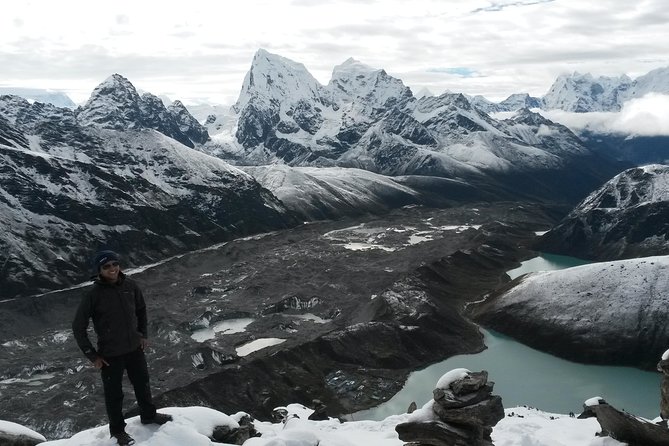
{"points": [[110, 265]]}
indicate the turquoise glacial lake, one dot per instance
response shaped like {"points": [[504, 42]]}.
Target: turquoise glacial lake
{"points": [[525, 376]]}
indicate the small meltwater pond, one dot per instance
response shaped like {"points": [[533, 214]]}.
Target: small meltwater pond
{"points": [[524, 376]]}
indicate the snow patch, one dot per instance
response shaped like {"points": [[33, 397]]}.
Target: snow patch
{"points": [[450, 377], [258, 344]]}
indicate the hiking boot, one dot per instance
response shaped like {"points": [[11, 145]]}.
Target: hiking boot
{"points": [[123, 439], [158, 418]]}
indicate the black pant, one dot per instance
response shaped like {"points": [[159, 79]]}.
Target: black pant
{"points": [[112, 382]]}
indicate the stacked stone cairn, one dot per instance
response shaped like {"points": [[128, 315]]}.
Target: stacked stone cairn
{"points": [[462, 413]]}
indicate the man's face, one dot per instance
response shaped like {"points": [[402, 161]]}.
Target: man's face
{"points": [[109, 271]]}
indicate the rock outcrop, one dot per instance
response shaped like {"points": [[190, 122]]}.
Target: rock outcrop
{"points": [[462, 413], [12, 434], [623, 426]]}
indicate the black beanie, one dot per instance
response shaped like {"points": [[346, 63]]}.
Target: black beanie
{"points": [[103, 257]]}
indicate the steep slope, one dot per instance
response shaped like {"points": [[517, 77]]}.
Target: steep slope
{"points": [[608, 313], [627, 217], [333, 192], [69, 186]]}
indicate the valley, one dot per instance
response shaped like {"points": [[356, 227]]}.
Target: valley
{"points": [[358, 303]]}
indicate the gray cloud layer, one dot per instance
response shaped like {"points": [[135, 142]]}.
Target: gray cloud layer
{"points": [[202, 51]]}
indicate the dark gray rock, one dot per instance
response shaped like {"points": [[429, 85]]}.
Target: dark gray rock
{"points": [[227, 435], [626, 427], [435, 433]]}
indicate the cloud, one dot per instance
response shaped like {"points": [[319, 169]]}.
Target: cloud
{"points": [[458, 71], [498, 6], [645, 116]]}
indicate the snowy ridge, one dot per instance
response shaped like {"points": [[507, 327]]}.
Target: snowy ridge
{"points": [[626, 217], [331, 192], [633, 187], [625, 300]]}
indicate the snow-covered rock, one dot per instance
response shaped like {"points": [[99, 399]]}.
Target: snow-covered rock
{"points": [[626, 217], [610, 312]]}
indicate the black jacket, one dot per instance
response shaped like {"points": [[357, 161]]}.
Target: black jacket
{"points": [[119, 318]]}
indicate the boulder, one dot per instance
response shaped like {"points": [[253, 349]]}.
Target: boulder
{"points": [[228, 435]]}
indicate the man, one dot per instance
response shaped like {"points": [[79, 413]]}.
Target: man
{"points": [[116, 305]]}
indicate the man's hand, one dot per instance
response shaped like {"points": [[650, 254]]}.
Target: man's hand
{"points": [[143, 343], [99, 362]]}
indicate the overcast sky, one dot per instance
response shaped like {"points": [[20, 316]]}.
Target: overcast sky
{"points": [[199, 51]]}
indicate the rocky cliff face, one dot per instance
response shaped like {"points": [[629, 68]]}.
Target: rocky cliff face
{"points": [[627, 217], [111, 174]]}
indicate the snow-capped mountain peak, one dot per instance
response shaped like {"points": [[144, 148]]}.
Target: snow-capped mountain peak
{"points": [[272, 78], [114, 104], [354, 81], [582, 92], [520, 100]]}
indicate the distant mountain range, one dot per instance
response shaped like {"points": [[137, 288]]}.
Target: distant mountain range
{"points": [[57, 98], [120, 171], [369, 120]]}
